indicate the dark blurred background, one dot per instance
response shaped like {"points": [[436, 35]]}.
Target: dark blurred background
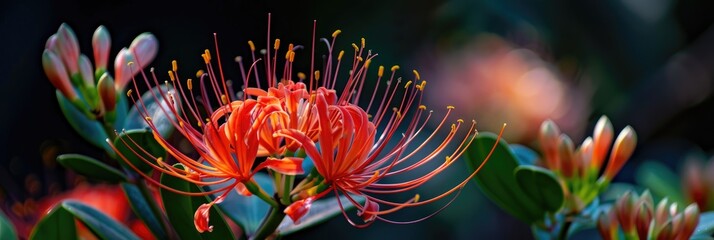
{"points": [[645, 63]]}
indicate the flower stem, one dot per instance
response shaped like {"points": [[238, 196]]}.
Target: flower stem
{"points": [[270, 224], [155, 209]]}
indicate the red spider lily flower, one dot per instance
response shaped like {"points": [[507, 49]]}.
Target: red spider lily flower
{"points": [[357, 147]]}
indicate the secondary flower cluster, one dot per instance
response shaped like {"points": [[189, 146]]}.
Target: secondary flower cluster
{"points": [[638, 218], [579, 169], [304, 117]]}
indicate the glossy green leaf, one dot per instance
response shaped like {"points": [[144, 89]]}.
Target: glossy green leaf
{"points": [[246, 211], [142, 209], [121, 110], [7, 231], [661, 181], [524, 155], [542, 186], [91, 168], [131, 143], [161, 120], [320, 211], [180, 210], [57, 224], [706, 224], [101, 225], [89, 129], [496, 179]]}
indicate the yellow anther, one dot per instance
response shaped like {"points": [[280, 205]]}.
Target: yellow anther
{"points": [[407, 84], [417, 75], [199, 123], [199, 73], [317, 75], [147, 118], [171, 75], [339, 56], [448, 159], [311, 191], [205, 57], [395, 68], [174, 65], [130, 63], [238, 59], [422, 85], [224, 99], [189, 83], [416, 198], [160, 161], [208, 54], [453, 127], [301, 75], [336, 32], [277, 44], [355, 47], [399, 114], [363, 42], [449, 107], [208, 120], [181, 124], [380, 73], [292, 56], [359, 59], [287, 55], [290, 47], [369, 116], [252, 46], [422, 107], [128, 93], [460, 120], [366, 63]]}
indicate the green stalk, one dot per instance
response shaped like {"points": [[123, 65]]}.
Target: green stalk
{"points": [[270, 224]]}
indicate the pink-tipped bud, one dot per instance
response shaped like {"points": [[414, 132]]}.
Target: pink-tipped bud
{"points": [[298, 209], [368, 211], [662, 212], [643, 218], [566, 153], [585, 153], [549, 137], [68, 48], [607, 225], [86, 71], [51, 43], [107, 92], [625, 207], [101, 44], [621, 152], [122, 70], [602, 138], [58, 74], [691, 220]]}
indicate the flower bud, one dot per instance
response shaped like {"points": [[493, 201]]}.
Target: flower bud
{"points": [[101, 44], [68, 48], [691, 220], [107, 92], [122, 70], [607, 225], [621, 152], [58, 75], [549, 134], [85, 71], [51, 43], [602, 138], [625, 207], [566, 155]]}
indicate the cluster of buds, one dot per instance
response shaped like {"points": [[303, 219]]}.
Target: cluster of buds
{"points": [[579, 169], [639, 219], [698, 183], [91, 89]]}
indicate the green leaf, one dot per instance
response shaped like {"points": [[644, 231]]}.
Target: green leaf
{"points": [[496, 178], [101, 225], [131, 143], [7, 231], [142, 209], [91, 168], [247, 211], [320, 211], [661, 181], [181, 208], [162, 121], [542, 186], [121, 110], [706, 224], [89, 129], [57, 224]]}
